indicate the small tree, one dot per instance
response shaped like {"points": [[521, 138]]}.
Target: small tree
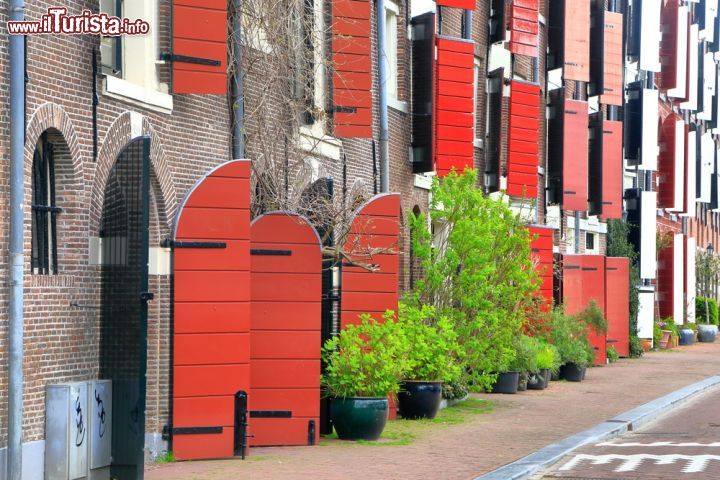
{"points": [[477, 271], [707, 269]]}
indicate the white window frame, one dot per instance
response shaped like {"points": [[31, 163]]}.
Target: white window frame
{"points": [[392, 14]]}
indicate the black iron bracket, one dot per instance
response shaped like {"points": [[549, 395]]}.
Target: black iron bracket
{"points": [[270, 253], [270, 414], [196, 430], [173, 57], [167, 243], [340, 109]]}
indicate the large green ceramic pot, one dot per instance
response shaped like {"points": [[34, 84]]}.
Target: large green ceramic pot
{"points": [[359, 418]]}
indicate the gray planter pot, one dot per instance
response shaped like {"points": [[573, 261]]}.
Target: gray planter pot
{"points": [[707, 333]]}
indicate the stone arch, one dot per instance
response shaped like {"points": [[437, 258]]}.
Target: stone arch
{"points": [[125, 128]]}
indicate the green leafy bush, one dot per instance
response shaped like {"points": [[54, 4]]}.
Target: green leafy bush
{"points": [[636, 350], [526, 354], [689, 326], [612, 354], [548, 357], [570, 336], [430, 345], [700, 315], [657, 334], [594, 318], [477, 273], [365, 360]]}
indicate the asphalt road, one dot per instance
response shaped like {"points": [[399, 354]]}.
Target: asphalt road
{"points": [[682, 445]]}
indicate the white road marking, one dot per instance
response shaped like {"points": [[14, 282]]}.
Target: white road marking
{"points": [[659, 444], [629, 463]]}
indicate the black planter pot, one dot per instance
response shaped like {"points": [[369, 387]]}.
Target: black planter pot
{"points": [[555, 376], [571, 372], [523, 382], [548, 376], [537, 381], [419, 399], [507, 382], [359, 418]]}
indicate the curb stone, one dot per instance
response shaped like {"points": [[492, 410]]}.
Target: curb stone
{"points": [[616, 426]]}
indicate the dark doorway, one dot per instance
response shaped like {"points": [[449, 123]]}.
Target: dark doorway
{"points": [[124, 284]]}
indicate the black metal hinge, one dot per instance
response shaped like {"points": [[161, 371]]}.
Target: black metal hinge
{"points": [[196, 430], [270, 253], [167, 243], [339, 109], [173, 57], [270, 414]]}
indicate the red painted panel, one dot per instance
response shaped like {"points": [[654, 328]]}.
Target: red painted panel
{"points": [[667, 78], [282, 431], [211, 348], [453, 106], [666, 162], [285, 338], [352, 68], [522, 139], [575, 155], [212, 317], [524, 38], [205, 446], [612, 170], [204, 411], [617, 306], [613, 60], [463, 4], [212, 324], [542, 253], [577, 41], [665, 274], [200, 31]]}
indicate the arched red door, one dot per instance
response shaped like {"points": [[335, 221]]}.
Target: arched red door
{"points": [[211, 337], [286, 294]]}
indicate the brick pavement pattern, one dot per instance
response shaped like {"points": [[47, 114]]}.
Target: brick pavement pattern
{"points": [[519, 425], [683, 444]]}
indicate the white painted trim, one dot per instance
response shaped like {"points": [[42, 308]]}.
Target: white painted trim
{"points": [[692, 92], [680, 89], [650, 113], [313, 140], [648, 232], [645, 313], [137, 95], [690, 180], [398, 105], [423, 181], [650, 35], [678, 278], [690, 279]]}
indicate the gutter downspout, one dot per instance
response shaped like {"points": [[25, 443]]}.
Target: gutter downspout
{"points": [[468, 14], [15, 314], [238, 101], [382, 80]]}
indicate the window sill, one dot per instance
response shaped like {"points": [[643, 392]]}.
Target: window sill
{"points": [[125, 91], [396, 104], [314, 140]]}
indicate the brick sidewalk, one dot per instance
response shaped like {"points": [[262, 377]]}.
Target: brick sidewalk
{"points": [[519, 425]]}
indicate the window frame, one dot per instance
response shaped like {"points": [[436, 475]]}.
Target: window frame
{"points": [[392, 12], [44, 210]]}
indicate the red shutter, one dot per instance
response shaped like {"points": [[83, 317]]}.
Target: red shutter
{"points": [[665, 279], [667, 78], [464, 4], [575, 155], [523, 128], [613, 60], [200, 31], [666, 162], [454, 106], [352, 68], [542, 254], [524, 27], [617, 304], [576, 47], [612, 169]]}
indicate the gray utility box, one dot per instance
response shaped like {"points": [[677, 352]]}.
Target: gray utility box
{"points": [[78, 419], [66, 434], [100, 398]]}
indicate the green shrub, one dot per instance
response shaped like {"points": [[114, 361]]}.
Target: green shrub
{"points": [[700, 316], [548, 357], [365, 360], [526, 354], [430, 344], [570, 337], [593, 317], [612, 354], [657, 334], [689, 326], [636, 350]]}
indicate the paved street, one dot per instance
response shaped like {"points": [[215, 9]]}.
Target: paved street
{"points": [[684, 444], [517, 426]]}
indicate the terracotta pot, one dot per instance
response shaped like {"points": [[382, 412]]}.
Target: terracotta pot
{"points": [[646, 344]]}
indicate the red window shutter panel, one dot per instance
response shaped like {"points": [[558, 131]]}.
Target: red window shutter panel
{"points": [[575, 155], [199, 32], [617, 300], [666, 162], [463, 4], [576, 65], [667, 79], [453, 106], [542, 254], [612, 93], [523, 24], [522, 147], [612, 169], [352, 68]]}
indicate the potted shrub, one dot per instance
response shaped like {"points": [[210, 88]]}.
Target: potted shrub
{"points": [[569, 336], [525, 361], [430, 357], [707, 317], [364, 366], [547, 361]]}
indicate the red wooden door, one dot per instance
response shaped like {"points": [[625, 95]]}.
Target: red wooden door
{"points": [[211, 312], [372, 239], [617, 298], [286, 291], [583, 281]]}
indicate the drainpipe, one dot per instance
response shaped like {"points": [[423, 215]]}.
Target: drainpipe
{"points": [[15, 314], [468, 24], [382, 69], [238, 102]]}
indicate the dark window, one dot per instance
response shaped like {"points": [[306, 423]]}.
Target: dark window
{"points": [[111, 47], [44, 210], [589, 241]]}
